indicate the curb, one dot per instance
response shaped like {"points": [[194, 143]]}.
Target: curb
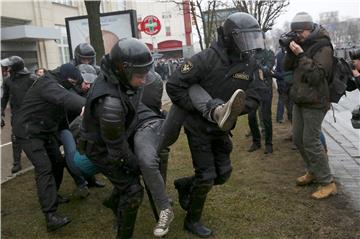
{"points": [[21, 172]]}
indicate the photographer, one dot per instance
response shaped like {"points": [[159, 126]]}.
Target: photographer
{"points": [[355, 58], [355, 84], [311, 68]]}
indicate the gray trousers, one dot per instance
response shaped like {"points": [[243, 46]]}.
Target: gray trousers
{"points": [[176, 116], [145, 147], [306, 136]]}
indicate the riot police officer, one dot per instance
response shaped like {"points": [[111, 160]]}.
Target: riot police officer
{"points": [[110, 119], [35, 126], [85, 54], [14, 89], [223, 68]]}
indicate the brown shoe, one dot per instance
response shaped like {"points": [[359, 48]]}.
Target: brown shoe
{"points": [[305, 179], [325, 191]]}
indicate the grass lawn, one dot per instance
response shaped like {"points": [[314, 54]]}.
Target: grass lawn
{"points": [[259, 201]]}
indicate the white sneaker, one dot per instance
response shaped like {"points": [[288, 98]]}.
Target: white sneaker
{"points": [[226, 114], [165, 218]]}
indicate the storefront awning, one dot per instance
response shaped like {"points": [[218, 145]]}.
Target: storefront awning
{"points": [[29, 32]]}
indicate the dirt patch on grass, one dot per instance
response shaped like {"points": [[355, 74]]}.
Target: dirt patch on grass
{"points": [[259, 201]]}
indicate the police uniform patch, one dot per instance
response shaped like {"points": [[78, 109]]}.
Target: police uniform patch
{"points": [[186, 67], [241, 76], [261, 74]]}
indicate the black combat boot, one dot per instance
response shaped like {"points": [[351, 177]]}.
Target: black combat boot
{"points": [[16, 168], [254, 147], [93, 182], [55, 221], [268, 149], [16, 155], [183, 186], [192, 220]]}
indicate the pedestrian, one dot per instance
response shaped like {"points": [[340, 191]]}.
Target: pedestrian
{"points": [[110, 119], [284, 101], [40, 72], [88, 74], [266, 60], [228, 65], [355, 60], [14, 90], [85, 54], [35, 126], [310, 93]]}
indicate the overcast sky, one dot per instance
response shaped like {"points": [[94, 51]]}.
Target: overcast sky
{"points": [[346, 8]]}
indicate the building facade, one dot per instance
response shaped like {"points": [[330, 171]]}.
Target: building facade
{"points": [[174, 39], [35, 30]]}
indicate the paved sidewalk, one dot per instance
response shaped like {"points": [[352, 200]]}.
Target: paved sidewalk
{"points": [[344, 146]]}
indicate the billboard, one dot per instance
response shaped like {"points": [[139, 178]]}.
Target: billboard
{"points": [[114, 26]]}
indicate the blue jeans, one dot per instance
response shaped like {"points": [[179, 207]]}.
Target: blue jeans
{"points": [[69, 145], [145, 147]]}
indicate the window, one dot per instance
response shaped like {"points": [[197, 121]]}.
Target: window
{"points": [[168, 31], [65, 2], [63, 46]]}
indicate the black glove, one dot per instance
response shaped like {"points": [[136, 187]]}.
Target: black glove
{"points": [[2, 122]]}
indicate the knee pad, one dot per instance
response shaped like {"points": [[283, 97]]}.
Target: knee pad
{"points": [[221, 179], [135, 195]]}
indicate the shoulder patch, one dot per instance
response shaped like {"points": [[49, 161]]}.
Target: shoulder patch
{"points": [[240, 76], [186, 67]]}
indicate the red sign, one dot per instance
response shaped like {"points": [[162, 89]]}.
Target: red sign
{"points": [[150, 25]]}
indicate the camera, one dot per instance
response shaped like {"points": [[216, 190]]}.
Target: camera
{"points": [[354, 54], [286, 38]]}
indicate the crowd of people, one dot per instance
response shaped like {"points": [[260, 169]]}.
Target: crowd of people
{"points": [[165, 67], [109, 120]]}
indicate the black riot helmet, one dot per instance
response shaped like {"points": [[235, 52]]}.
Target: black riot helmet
{"points": [[85, 51], [242, 32], [128, 56]]}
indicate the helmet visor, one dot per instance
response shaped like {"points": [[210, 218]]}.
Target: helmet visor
{"points": [[248, 40]]}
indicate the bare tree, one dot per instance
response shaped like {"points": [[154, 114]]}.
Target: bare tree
{"points": [[265, 12], [96, 40], [204, 15]]}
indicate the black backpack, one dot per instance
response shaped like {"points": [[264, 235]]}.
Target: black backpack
{"points": [[340, 75]]}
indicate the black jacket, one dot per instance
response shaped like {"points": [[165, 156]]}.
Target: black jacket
{"points": [[14, 89], [353, 84], [44, 105], [110, 118], [220, 76]]}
